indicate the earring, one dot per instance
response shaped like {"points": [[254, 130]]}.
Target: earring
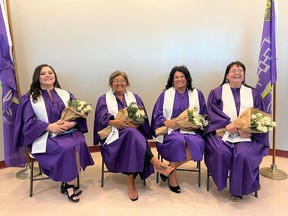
{"points": [[226, 80]]}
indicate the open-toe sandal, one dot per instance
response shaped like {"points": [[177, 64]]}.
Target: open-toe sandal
{"points": [[65, 188], [236, 198], [77, 191]]}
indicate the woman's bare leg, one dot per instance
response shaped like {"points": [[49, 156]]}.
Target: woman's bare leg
{"points": [[132, 192], [77, 157], [173, 177]]}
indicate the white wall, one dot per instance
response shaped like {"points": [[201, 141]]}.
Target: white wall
{"points": [[87, 40]]}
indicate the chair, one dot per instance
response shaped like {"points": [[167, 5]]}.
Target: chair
{"points": [[103, 171], [208, 183], [197, 169], [36, 177]]}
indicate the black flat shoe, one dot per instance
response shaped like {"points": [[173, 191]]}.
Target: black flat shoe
{"points": [[175, 189], [134, 199]]}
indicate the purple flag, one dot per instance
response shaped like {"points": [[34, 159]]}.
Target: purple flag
{"points": [[12, 156], [267, 70]]}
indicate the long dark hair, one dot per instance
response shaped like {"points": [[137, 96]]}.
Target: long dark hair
{"points": [[35, 85], [185, 71], [239, 64]]}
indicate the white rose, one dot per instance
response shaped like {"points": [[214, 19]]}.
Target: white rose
{"points": [[253, 116]]}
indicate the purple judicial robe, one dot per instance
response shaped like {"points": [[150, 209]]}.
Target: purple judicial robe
{"points": [[127, 153], [174, 145], [59, 161], [242, 158]]}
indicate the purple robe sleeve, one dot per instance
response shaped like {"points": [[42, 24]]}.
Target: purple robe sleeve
{"points": [[27, 127], [216, 117], [101, 119], [157, 114], [202, 104]]}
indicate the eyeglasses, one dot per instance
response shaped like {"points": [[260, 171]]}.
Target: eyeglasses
{"points": [[119, 81], [236, 70]]}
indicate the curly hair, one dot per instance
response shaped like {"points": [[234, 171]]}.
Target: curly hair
{"points": [[183, 69]]}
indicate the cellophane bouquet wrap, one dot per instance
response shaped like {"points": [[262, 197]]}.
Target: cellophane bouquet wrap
{"points": [[76, 109], [189, 119], [132, 114], [252, 121]]}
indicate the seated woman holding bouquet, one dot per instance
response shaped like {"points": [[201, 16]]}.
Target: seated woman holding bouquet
{"points": [[237, 154], [58, 145], [124, 147], [180, 144]]}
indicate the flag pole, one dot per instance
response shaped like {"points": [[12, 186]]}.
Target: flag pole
{"points": [[25, 173], [272, 172]]}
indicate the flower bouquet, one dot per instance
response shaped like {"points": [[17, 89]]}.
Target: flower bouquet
{"points": [[75, 109], [189, 119], [132, 114], [252, 121]]}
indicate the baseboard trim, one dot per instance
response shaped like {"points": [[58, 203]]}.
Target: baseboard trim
{"points": [[278, 153]]}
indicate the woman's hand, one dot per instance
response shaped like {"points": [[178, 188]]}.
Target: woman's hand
{"points": [[118, 124], [231, 128], [171, 124], [66, 124], [56, 128], [244, 135], [130, 124], [60, 126]]}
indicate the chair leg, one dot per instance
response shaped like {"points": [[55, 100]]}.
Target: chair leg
{"points": [[208, 180], [199, 173], [31, 176], [157, 173], [102, 174], [78, 181]]}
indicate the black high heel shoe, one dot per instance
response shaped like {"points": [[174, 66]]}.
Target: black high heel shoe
{"points": [[175, 189], [164, 177], [64, 189]]}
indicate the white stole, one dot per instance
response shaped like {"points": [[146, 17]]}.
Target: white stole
{"points": [[168, 103], [229, 108], [39, 145], [112, 106]]}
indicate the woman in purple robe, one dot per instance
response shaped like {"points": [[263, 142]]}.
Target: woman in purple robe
{"points": [[239, 154], [180, 145], [126, 149], [63, 154]]}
